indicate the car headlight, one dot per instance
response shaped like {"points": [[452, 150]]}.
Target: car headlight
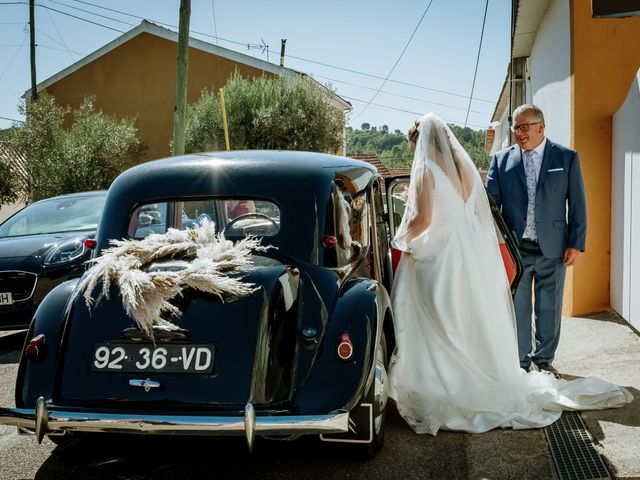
{"points": [[65, 252]]}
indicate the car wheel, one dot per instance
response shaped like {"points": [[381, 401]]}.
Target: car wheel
{"points": [[377, 397]]}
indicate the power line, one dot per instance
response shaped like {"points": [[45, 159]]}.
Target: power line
{"points": [[401, 96], [291, 56], [315, 62], [11, 119], [93, 13], [59, 43], [24, 39], [80, 18], [398, 60], [59, 34], [475, 73], [405, 111]]}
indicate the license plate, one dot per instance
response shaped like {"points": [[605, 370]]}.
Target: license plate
{"points": [[132, 357], [6, 298]]}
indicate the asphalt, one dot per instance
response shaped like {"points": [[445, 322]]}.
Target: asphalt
{"points": [[601, 346]]}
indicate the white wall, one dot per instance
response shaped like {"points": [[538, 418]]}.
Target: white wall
{"points": [[625, 207], [550, 68], [7, 210]]}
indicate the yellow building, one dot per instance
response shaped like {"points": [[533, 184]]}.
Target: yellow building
{"points": [[579, 69], [134, 76]]}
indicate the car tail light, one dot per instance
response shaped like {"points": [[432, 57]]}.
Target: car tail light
{"points": [[90, 243], [329, 241], [35, 348], [345, 347]]}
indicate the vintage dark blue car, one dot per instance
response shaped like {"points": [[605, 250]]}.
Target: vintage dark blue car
{"points": [[305, 354]]}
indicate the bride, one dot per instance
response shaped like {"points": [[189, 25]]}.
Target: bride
{"points": [[456, 363]]}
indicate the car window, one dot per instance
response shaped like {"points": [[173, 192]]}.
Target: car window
{"points": [[399, 191], [348, 222], [55, 215], [237, 217]]}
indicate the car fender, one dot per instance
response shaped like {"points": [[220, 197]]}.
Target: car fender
{"points": [[360, 310], [36, 377]]}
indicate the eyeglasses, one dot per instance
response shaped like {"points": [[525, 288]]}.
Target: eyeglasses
{"points": [[523, 127]]}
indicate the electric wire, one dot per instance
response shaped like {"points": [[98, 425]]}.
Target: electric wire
{"points": [[302, 59], [406, 111], [15, 54], [397, 61], [475, 73], [59, 34], [401, 96], [40, 31], [92, 13], [80, 18], [290, 56]]}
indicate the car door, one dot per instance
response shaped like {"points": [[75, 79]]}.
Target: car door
{"points": [[397, 192]]}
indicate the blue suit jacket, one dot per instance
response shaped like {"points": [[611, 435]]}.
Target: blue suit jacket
{"points": [[561, 210]]}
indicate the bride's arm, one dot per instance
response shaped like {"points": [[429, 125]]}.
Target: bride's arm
{"points": [[423, 208]]}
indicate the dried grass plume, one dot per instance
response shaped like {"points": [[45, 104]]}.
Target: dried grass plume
{"points": [[152, 271]]}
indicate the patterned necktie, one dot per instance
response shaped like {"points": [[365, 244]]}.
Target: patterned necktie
{"points": [[532, 181]]}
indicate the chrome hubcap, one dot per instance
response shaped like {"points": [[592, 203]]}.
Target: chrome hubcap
{"points": [[381, 387]]}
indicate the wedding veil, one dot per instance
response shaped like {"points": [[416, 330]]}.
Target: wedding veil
{"points": [[437, 148]]}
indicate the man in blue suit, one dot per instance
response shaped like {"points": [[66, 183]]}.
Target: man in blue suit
{"points": [[538, 186]]}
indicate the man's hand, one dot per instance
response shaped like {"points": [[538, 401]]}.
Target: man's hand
{"points": [[571, 256]]}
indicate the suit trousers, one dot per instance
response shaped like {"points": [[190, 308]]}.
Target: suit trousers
{"points": [[546, 275]]}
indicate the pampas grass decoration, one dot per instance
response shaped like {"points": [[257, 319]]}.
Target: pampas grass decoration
{"points": [[199, 259]]}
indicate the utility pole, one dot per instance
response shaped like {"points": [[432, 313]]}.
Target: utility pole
{"points": [[283, 41], [181, 78], [32, 35]]}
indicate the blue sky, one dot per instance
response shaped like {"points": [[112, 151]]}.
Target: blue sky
{"points": [[434, 74]]}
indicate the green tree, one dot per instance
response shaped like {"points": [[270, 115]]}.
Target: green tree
{"points": [[268, 113], [393, 148], [86, 156]]}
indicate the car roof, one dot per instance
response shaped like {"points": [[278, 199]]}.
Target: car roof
{"points": [[299, 182]]}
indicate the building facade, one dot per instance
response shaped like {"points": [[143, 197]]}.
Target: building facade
{"points": [[579, 69], [134, 76]]}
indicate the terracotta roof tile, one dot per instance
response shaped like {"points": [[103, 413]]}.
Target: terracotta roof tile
{"points": [[17, 163]]}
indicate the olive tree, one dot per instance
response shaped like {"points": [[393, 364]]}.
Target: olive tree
{"points": [[265, 113], [87, 155]]}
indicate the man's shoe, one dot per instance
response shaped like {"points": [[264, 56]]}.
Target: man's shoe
{"points": [[547, 367]]}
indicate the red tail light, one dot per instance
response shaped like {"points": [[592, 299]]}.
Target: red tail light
{"points": [[329, 241], [345, 347], [90, 244], [35, 348]]}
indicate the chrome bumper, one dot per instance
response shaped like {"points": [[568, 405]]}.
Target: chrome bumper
{"points": [[51, 419]]}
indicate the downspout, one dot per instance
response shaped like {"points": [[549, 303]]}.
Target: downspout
{"points": [[514, 11]]}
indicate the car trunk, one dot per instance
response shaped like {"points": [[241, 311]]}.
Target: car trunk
{"points": [[230, 352]]}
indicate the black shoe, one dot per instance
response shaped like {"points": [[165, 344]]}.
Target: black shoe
{"points": [[547, 367]]}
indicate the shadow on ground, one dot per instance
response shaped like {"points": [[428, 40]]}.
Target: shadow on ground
{"points": [[405, 455]]}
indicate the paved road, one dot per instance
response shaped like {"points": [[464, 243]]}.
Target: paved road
{"points": [[497, 455]]}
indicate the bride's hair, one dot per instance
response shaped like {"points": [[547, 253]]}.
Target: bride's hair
{"points": [[434, 143], [414, 131]]}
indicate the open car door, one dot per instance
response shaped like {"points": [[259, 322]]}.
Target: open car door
{"points": [[396, 195]]}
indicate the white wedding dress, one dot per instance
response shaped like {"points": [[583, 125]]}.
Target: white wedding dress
{"points": [[456, 364]]}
